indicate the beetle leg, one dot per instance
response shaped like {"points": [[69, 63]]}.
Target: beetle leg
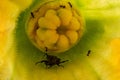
{"points": [[40, 62], [37, 62], [60, 65], [63, 61]]}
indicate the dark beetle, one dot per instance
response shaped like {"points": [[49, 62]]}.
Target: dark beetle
{"points": [[51, 61]]}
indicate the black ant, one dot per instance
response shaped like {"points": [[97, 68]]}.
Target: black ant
{"points": [[89, 51], [32, 14], [51, 61], [62, 6], [70, 4]]}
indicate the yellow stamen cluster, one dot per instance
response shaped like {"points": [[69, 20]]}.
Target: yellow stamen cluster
{"points": [[55, 25]]}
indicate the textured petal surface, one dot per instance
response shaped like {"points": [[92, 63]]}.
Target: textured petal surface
{"points": [[102, 37]]}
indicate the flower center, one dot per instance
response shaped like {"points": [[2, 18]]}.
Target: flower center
{"points": [[55, 25]]}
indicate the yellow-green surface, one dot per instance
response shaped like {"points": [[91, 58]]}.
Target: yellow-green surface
{"points": [[102, 37]]}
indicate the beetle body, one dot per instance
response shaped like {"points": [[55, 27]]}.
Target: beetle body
{"points": [[51, 61]]}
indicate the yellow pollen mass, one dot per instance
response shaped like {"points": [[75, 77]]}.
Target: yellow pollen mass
{"points": [[47, 36], [57, 27], [52, 17], [63, 42], [65, 16], [73, 36], [74, 24]]}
